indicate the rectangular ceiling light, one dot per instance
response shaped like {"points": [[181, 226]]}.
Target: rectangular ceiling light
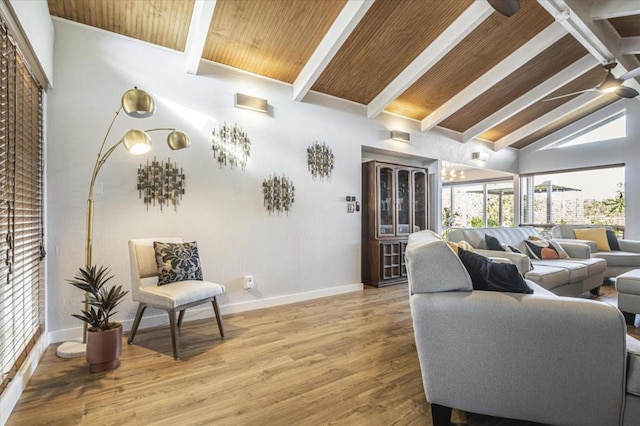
{"points": [[480, 156], [250, 103], [397, 135]]}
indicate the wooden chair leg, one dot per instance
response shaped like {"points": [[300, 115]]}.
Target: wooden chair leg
{"points": [[216, 308], [136, 322], [440, 415], [175, 343], [180, 317]]}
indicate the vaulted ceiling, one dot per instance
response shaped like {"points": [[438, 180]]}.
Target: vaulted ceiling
{"points": [[458, 65]]}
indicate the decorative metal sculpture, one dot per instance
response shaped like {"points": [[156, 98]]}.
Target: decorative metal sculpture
{"points": [[231, 145], [278, 194], [161, 183], [320, 159]]}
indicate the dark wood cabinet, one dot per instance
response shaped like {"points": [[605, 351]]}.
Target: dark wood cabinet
{"points": [[394, 200]]}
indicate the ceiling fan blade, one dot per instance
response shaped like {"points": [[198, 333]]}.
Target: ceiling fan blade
{"points": [[631, 74], [626, 92], [568, 94], [505, 7]]}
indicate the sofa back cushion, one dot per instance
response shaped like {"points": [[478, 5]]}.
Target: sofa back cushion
{"points": [[432, 266], [566, 231], [514, 236]]}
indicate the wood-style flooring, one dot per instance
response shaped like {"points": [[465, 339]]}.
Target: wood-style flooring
{"points": [[341, 360]]}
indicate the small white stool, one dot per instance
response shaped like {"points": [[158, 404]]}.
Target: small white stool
{"points": [[628, 287]]}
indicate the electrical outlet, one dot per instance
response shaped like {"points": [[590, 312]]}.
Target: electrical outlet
{"points": [[248, 282], [351, 208]]}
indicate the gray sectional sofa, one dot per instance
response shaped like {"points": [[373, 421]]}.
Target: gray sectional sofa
{"points": [[618, 262], [535, 357], [564, 277]]}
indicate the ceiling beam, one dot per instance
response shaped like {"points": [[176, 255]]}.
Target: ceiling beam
{"points": [[473, 16], [630, 45], [511, 63], [598, 37], [552, 84], [614, 9], [546, 120], [198, 31], [333, 40]]}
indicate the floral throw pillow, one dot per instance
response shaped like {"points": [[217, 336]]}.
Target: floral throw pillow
{"points": [[177, 262]]}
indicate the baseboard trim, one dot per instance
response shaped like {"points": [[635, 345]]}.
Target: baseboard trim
{"points": [[11, 394], [154, 318]]}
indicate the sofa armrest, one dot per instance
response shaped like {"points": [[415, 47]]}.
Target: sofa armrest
{"points": [[522, 261], [629, 245], [529, 350], [590, 244], [578, 250]]}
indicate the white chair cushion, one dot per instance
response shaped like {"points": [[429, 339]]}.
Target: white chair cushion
{"points": [[170, 296]]}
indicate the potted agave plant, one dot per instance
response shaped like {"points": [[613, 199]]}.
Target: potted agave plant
{"points": [[104, 338]]}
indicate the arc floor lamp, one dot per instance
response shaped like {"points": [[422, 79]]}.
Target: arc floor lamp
{"points": [[138, 104]]}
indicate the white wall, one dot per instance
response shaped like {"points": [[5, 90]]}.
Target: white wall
{"points": [[36, 22], [617, 151], [313, 251]]}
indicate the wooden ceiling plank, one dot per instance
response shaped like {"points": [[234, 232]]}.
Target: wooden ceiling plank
{"points": [[599, 37], [547, 119], [525, 53], [198, 32], [552, 84], [630, 45], [473, 16], [614, 9], [333, 40]]}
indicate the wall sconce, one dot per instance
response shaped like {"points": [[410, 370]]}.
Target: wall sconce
{"points": [[480, 156], [250, 103], [278, 194], [231, 145], [397, 135], [320, 160], [161, 183]]}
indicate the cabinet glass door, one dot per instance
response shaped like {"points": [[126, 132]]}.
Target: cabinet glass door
{"points": [[419, 201], [386, 211], [404, 202]]}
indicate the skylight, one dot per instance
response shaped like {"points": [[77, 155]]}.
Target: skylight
{"points": [[612, 127]]}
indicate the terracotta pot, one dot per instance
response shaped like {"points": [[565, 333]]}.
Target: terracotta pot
{"points": [[104, 349]]}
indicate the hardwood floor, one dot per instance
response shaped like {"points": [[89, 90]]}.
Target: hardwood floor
{"points": [[344, 360]]}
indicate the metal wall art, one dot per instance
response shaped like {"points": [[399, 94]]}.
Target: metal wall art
{"points": [[278, 194], [320, 159], [161, 183], [231, 145]]}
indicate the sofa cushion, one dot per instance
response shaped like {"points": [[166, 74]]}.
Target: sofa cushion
{"points": [[633, 366], [594, 266], [619, 258], [492, 276], [510, 236], [548, 277], [597, 235], [577, 271]]}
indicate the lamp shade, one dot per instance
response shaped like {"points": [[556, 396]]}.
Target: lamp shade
{"points": [[138, 103], [136, 141], [178, 140]]}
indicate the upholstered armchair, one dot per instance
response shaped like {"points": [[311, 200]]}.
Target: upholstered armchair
{"points": [[173, 298], [536, 357]]}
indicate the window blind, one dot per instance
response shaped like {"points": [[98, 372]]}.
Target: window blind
{"points": [[21, 209]]}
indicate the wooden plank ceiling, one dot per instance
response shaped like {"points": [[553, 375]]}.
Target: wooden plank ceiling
{"points": [[277, 39]]}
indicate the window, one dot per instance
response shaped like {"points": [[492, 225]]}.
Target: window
{"points": [[612, 127], [478, 205], [580, 197], [21, 210]]}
